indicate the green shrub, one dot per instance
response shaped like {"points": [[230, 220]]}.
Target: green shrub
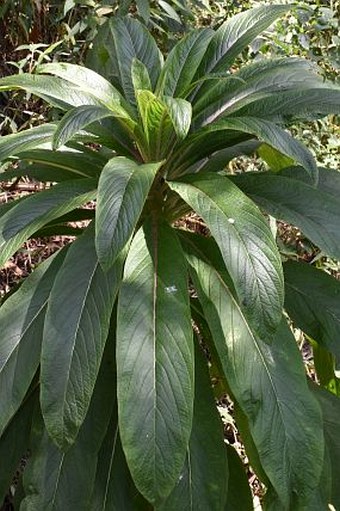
{"points": [[103, 381]]}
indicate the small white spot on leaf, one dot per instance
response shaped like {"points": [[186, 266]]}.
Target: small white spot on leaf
{"points": [[171, 289], [231, 220]]}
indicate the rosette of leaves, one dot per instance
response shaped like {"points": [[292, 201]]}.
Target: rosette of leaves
{"points": [[103, 380]]}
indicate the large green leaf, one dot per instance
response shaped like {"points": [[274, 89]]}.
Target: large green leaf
{"points": [[246, 244], [330, 407], [235, 35], [258, 82], [76, 327], [55, 91], [155, 361], [200, 145], [182, 63], [11, 145], [21, 221], [57, 481], [312, 300], [220, 159], [314, 211], [122, 191], [271, 134], [203, 482], [77, 119], [268, 382], [22, 320], [321, 99], [89, 82], [52, 166], [14, 444], [118, 42]]}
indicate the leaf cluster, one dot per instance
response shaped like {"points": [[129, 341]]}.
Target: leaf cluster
{"points": [[102, 373]]}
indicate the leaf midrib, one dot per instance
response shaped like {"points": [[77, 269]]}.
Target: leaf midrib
{"points": [[224, 285], [240, 239]]}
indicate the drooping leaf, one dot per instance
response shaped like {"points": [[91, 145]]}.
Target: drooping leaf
{"points": [[11, 145], [155, 361], [273, 135], [264, 380], [77, 119], [250, 92], [329, 179], [22, 320], [21, 221], [57, 92], [203, 482], [182, 62], [54, 480], [118, 42], [14, 444], [246, 244], [91, 83], [122, 191], [76, 327], [44, 165], [312, 300], [319, 99], [220, 159], [314, 211], [330, 407]]}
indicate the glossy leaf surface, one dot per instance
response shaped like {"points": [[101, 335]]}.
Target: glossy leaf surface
{"points": [[11, 145], [236, 33], [54, 90], [89, 82]]}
